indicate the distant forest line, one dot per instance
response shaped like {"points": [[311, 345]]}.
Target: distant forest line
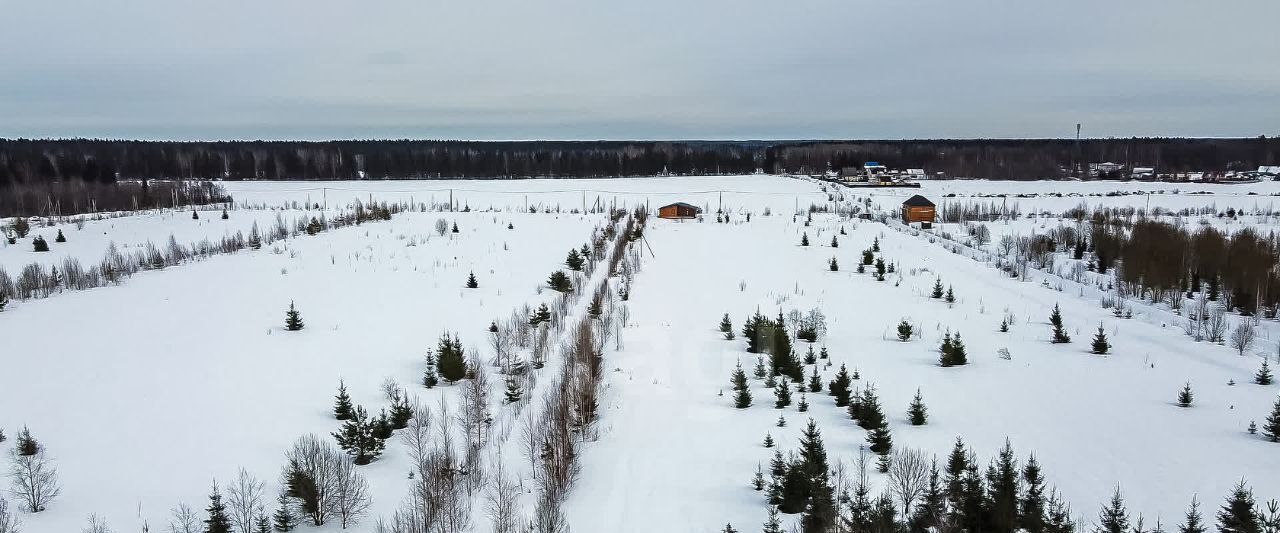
{"points": [[25, 161]]}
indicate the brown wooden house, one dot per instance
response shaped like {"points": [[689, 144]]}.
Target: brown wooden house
{"points": [[918, 209], [679, 210]]}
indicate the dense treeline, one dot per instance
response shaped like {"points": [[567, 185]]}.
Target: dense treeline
{"points": [[1030, 158], [103, 161]]}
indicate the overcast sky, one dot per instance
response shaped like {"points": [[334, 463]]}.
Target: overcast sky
{"points": [[647, 69]]}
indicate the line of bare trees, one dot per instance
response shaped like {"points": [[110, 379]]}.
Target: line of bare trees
{"points": [[36, 280]]}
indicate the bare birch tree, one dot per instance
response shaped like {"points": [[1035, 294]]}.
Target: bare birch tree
{"points": [[35, 480], [244, 498]]}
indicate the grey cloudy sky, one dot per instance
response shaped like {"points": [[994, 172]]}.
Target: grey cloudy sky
{"points": [[651, 69]]}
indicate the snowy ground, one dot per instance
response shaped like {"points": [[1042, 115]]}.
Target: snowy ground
{"points": [[146, 391], [1092, 421]]}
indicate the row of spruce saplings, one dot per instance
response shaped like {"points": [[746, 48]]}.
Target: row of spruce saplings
{"points": [[788, 493], [568, 410], [38, 281], [920, 496], [770, 336]]}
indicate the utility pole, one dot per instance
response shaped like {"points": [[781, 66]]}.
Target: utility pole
{"points": [[1076, 170]]}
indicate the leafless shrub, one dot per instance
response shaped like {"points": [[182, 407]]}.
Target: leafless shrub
{"points": [[183, 519], [351, 493], [96, 524], [1216, 326], [1243, 335], [502, 502]]}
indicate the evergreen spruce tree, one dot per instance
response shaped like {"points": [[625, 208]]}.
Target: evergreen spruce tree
{"points": [[881, 442], [1264, 377], [810, 358], [1059, 515], [543, 314], [822, 353], [1253, 428], [751, 331], [452, 363], [951, 295], [726, 327], [429, 378], [284, 519], [783, 394], [261, 524], [760, 371], [1113, 518], [958, 355], [972, 514], [342, 403], [815, 381], [381, 426], [195, 215], [401, 410], [1031, 506], [596, 308], [820, 514], [558, 281], [454, 229], [1185, 397], [26, 445], [944, 351], [804, 239], [1271, 428], [225, 216], [1059, 331], [1239, 515], [1004, 325], [937, 289], [1193, 523], [833, 265], [772, 524], [932, 507], [757, 480], [218, 521], [868, 258], [880, 269], [1100, 344], [803, 406], [293, 319], [60, 237], [904, 330], [875, 244], [1003, 488], [513, 390], [772, 380], [471, 281], [357, 438], [768, 440], [742, 395], [39, 244], [777, 472], [835, 243], [841, 387], [784, 360], [782, 421], [917, 412], [957, 465], [574, 261]]}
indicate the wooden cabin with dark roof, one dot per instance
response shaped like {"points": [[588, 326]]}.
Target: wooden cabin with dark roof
{"points": [[679, 210], [918, 209]]}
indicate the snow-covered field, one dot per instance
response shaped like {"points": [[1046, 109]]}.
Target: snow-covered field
{"points": [[146, 392]]}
